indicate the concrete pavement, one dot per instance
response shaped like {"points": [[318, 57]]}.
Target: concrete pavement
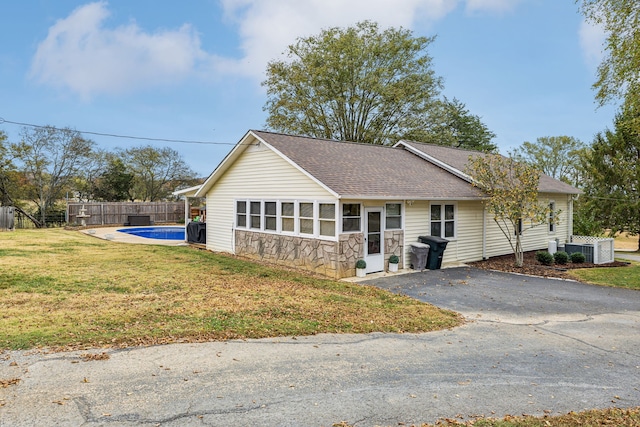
{"points": [[531, 346]]}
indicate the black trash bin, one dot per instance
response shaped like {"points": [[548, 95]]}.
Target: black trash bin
{"points": [[197, 232], [437, 245], [419, 254]]}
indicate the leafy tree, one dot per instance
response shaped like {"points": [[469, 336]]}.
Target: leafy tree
{"points": [[613, 168], [451, 124], [556, 156], [356, 84], [512, 190], [157, 171], [619, 71], [5, 170], [50, 159], [115, 184]]}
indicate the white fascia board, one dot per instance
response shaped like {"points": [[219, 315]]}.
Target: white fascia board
{"points": [[400, 198], [186, 192], [435, 161], [228, 160]]}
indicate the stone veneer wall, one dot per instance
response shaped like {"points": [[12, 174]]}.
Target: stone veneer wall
{"points": [[393, 245], [330, 258]]}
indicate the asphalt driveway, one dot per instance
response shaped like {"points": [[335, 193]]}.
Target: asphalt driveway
{"points": [[531, 346]]}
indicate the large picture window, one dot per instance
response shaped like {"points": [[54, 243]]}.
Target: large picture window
{"points": [[443, 220], [351, 217]]}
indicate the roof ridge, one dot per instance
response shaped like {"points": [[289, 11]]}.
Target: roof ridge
{"points": [[368, 144], [432, 144]]}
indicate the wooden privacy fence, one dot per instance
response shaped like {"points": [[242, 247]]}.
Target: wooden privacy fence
{"points": [[113, 213], [6, 218]]}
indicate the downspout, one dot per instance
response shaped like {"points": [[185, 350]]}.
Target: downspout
{"points": [[484, 232], [186, 217], [570, 222]]}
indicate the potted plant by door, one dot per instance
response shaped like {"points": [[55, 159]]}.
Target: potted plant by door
{"points": [[393, 263], [361, 266]]}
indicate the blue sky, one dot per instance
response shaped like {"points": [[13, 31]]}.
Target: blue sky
{"points": [[192, 70]]}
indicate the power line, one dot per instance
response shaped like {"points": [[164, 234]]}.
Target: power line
{"points": [[111, 135]]}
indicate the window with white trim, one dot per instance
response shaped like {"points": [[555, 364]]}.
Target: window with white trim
{"points": [[351, 217], [305, 218], [241, 213], [288, 217], [270, 216], [327, 219], [552, 217], [393, 216], [443, 220], [255, 214], [309, 218]]}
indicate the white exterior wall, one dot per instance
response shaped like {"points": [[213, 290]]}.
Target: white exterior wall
{"points": [[466, 247], [468, 244], [538, 237], [258, 173]]}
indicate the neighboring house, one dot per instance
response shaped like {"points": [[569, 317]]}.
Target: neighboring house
{"points": [[321, 205]]}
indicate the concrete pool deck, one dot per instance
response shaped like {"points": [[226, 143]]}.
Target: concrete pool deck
{"points": [[112, 234]]}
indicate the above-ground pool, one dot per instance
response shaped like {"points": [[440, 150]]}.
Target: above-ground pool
{"points": [[161, 233]]}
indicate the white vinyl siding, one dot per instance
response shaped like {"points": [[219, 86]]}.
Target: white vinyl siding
{"points": [[466, 247], [258, 174], [537, 237]]}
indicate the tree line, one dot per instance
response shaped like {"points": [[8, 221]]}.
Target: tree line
{"points": [[48, 165], [364, 84]]}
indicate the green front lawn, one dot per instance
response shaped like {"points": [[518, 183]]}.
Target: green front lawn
{"points": [[622, 277], [66, 289]]}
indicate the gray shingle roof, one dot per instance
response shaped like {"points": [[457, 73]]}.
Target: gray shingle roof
{"points": [[458, 158], [370, 171]]}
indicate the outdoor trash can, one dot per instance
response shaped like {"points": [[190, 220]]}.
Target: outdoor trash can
{"points": [[419, 255], [437, 245], [197, 232]]}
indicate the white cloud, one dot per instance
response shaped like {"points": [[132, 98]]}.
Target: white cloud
{"points": [[592, 39], [490, 5], [81, 55], [268, 27]]}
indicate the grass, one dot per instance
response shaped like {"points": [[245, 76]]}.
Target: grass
{"points": [[622, 277], [63, 289], [603, 417]]}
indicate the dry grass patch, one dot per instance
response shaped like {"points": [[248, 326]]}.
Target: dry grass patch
{"points": [[62, 288], [619, 417]]}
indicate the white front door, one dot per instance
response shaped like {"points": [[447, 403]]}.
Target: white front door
{"points": [[373, 240]]}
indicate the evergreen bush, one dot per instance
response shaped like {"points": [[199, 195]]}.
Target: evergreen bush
{"points": [[544, 257], [578, 258], [561, 257]]}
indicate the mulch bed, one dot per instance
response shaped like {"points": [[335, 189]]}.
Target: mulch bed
{"points": [[533, 267]]}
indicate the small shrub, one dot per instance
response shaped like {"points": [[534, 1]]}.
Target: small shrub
{"points": [[361, 263], [394, 259], [578, 258], [561, 257], [544, 257]]}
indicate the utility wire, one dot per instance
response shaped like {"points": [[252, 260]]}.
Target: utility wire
{"points": [[111, 135]]}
